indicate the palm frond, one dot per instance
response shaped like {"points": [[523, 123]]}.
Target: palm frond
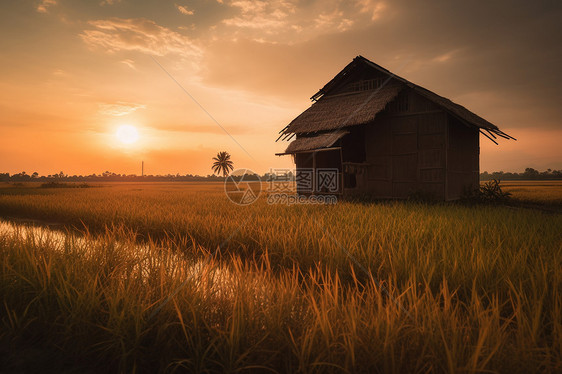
{"points": [[222, 163]]}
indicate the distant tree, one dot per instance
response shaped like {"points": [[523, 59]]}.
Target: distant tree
{"points": [[35, 175], [222, 164], [531, 173]]}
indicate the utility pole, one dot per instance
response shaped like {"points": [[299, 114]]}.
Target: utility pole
{"points": [[142, 169]]}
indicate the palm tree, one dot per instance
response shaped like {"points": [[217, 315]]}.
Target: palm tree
{"points": [[222, 164]]}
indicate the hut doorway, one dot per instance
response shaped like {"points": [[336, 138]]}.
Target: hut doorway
{"points": [[319, 171]]}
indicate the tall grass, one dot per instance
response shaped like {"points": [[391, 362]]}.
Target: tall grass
{"points": [[539, 192], [447, 288]]}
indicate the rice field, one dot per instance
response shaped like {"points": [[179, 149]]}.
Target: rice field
{"points": [[544, 192], [173, 277]]}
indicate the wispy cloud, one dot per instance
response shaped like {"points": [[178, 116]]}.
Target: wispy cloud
{"points": [[372, 7], [184, 10], [333, 20], [130, 63], [109, 2], [119, 108], [44, 5], [445, 57], [259, 14], [140, 34], [60, 72], [293, 21]]}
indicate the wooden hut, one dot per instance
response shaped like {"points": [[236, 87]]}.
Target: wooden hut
{"points": [[387, 137]]}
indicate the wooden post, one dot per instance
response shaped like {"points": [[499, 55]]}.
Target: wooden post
{"points": [[446, 183], [142, 169], [314, 173], [341, 171]]}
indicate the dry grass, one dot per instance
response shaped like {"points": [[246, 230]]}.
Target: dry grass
{"points": [[544, 192], [448, 288]]}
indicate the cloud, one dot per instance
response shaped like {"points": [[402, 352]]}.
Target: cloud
{"points": [[130, 63], [258, 14], [43, 6], [184, 10], [60, 72], [290, 21], [140, 34], [109, 2], [119, 109], [372, 7], [333, 20], [444, 57]]}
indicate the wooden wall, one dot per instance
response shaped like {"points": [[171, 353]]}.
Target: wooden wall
{"points": [[415, 147], [463, 166]]}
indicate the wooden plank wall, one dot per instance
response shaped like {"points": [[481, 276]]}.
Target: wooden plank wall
{"points": [[303, 161], [406, 147], [463, 169]]}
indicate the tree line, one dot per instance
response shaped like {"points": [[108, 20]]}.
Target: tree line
{"points": [[528, 174], [107, 176]]}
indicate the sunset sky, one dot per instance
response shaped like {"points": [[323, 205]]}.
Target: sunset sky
{"points": [[73, 72]]}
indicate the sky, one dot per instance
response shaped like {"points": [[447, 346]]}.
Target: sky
{"points": [[196, 77]]}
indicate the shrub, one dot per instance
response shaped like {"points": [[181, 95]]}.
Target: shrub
{"points": [[489, 192]]}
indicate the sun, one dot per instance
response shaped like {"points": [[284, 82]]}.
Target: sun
{"points": [[127, 134]]}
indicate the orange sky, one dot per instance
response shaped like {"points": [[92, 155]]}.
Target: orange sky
{"points": [[72, 72]]}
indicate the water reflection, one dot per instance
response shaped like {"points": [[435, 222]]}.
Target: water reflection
{"points": [[130, 259]]}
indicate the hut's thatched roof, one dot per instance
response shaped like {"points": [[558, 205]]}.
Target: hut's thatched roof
{"points": [[331, 112], [307, 143], [335, 112]]}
